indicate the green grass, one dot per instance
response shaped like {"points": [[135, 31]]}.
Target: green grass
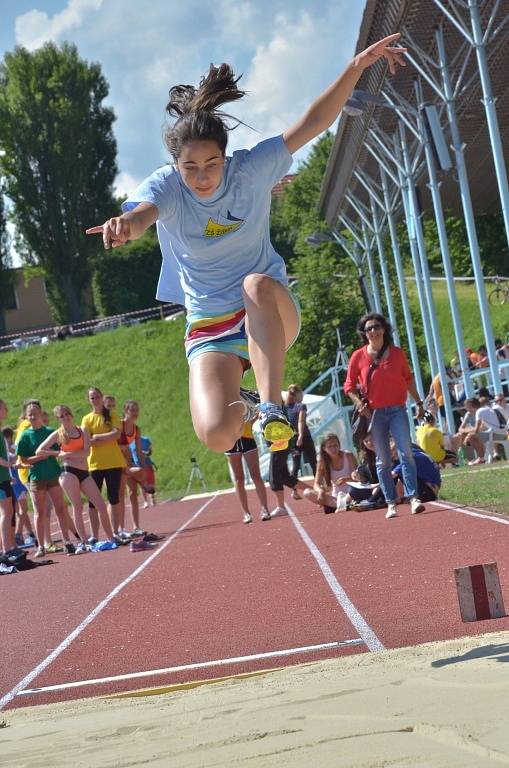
{"points": [[470, 315], [474, 487], [145, 363]]}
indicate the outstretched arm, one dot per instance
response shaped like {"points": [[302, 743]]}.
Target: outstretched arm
{"points": [[322, 112], [128, 226]]}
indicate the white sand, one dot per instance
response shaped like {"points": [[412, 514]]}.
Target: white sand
{"points": [[371, 710]]}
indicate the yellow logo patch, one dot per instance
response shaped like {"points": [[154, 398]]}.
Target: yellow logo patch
{"points": [[215, 229]]}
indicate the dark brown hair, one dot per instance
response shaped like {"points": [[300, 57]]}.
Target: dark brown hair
{"points": [[105, 412], [324, 456], [388, 341], [198, 118]]}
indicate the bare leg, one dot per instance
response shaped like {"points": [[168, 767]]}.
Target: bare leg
{"points": [[39, 503], [57, 497], [327, 500], [214, 382], [253, 464], [94, 518], [7, 529], [272, 324], [133, 498], [235, 461], [23, 519], [71, 486]]}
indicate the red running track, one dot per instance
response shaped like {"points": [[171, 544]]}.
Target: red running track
{"points": [[217, 589]]}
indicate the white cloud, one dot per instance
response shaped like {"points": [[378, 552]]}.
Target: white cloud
{"points": [[288, 52], [35, 27]]}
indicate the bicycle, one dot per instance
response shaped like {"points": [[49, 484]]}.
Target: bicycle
{"points": [[500, 293]]}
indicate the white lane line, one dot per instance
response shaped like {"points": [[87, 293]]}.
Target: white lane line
{"points": [[198, 665], [364, 630], [472, 512], [97, 610]]}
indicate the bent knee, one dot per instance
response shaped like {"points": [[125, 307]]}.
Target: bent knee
{"points": [[258, 287], [217, 438]]}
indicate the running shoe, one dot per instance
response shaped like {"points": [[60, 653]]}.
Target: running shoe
{"points": [[250, 401], [279, 512], [91, 541], [137, 532], [391, 511], [265, 514], [81, 548], [416, 506], [153, 537], [52, 548], [30, 540], [39, 552], [141, 546], [125, 534], [104, 546], [20, 541], [247, 518], [69, 548], [119, 540], [276, 428]]}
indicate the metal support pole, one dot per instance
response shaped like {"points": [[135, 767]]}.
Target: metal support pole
{"points": [[491, 113], [434, 187], [372, 272], [361, 279], [435, 331], [419, 284], [468, 211], [402, 284], [385, 271]]}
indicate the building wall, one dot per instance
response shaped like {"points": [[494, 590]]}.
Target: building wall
{"points": [[32, 309]]}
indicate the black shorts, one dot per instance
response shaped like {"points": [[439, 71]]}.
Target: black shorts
{"points": [[81, 474], [113, 477], [7, 492], [243, 445]]}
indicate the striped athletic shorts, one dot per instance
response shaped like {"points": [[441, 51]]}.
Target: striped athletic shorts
{"points": [[206, 332]]}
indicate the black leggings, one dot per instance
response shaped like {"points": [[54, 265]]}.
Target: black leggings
{"points": [[308, 449], [113, 477]]}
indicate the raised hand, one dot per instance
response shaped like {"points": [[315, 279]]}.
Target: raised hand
{"points": [[383, 49], [115, 231]]}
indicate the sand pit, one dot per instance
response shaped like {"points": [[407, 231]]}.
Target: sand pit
{"points": [[440, 704]]}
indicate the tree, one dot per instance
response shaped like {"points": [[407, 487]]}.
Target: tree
{"points": [[125, 278], [58, 164]]}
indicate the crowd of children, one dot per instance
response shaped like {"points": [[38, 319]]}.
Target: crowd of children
{"points": [[53, 467]]}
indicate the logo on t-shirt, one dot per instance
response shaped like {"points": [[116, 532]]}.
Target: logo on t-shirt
{"points": [[223, 226]]}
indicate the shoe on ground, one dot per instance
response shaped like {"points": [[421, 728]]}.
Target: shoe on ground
{"points": [[69, 548], [141, 546], [365, 504], [104, 546], [145, 505], [30, 540], [247, 517], [20, 541], [153, 537], [137, 532], [119, 540], [125, 534], [81, 548], [279, 512], [52, 548], [265, 514], [416, 506], [391, 511], [91, 541], [475, 462], [296, 495], [39, 552], [275, 427]]}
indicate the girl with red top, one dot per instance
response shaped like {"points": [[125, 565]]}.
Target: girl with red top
{"points": [[133, 475], [378, 382]]}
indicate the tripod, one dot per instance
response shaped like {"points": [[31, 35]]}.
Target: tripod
{"points": [[195, 473]]}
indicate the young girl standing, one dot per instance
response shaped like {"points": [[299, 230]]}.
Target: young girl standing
{"points": [[212, 214]]}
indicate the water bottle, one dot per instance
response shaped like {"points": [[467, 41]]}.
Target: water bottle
{"points": [[462, 460]]}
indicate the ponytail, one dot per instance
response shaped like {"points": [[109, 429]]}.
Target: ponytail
{"points": [[196, 110]]}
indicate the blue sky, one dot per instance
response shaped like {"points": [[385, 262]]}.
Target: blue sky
{"points": [[288, 50]]}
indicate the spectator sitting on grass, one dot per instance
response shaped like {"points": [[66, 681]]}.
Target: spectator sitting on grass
{"points": [[431, 440], [428, 475]]}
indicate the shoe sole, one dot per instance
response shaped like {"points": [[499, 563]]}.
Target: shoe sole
{"points": [[418, 509], [277, 432]]}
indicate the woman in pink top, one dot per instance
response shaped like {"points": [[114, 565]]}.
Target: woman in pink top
{"points": [[378, 382]]}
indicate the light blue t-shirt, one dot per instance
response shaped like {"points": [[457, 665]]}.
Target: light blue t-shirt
{"points": [[210, 244]]}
